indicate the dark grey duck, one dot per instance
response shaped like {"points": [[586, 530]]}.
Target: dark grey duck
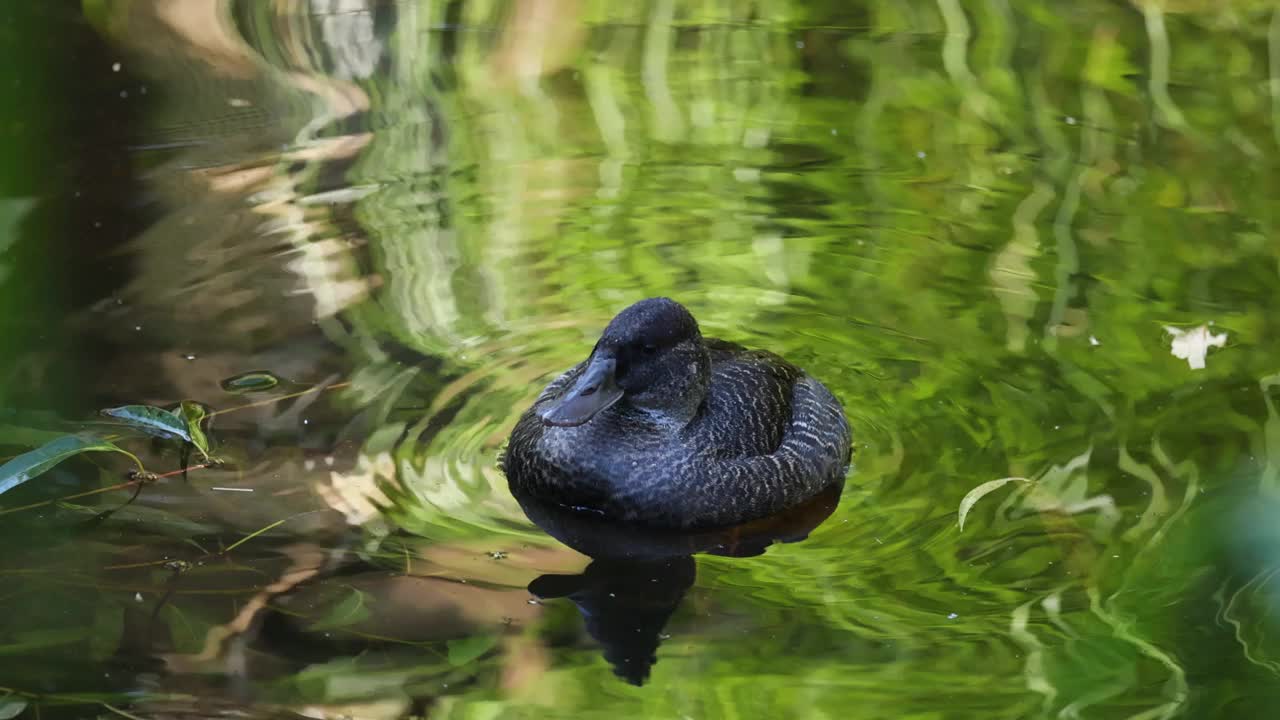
{"points": [[664, 428]]}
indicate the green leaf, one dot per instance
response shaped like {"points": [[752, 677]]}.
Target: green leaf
{"points": [[42, 459], [351, 610], [11, 707], [255, 381], [151, 420], [12, 212], [23, 642], [468, 649], [158, 521], [973, 496], [15, 435], [106, 633], [193, 414]]}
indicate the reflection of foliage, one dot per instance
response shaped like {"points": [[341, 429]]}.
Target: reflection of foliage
{"points": [[183, 423], [972, 219]]}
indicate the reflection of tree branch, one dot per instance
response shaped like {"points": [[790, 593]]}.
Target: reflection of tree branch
{"points": [[176, 568], [308, 561], [539, 39], [205, 30], [100, 517]]}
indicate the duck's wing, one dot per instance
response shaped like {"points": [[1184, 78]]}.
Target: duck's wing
{"points": [[748, 406], [814, 453], [812, 456]]}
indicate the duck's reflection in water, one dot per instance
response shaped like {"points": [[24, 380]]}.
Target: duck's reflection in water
{"points": [[625, 605], [638, 577]]}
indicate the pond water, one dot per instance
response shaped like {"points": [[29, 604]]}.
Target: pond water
{"points": [[1027, 240]]}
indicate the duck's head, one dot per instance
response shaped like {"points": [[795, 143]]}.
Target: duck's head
{"points": [[650, 357]]}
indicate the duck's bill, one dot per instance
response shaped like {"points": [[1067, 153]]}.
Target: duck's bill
{"points": [[594, 391]]}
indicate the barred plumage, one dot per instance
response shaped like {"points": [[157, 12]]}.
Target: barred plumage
{"points": [[697, 433]]}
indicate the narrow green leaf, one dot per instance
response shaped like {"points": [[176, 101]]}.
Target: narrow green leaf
{"points": [[42, 459], [261, 530], [11, 707], [105, 633], [193, 414], [13, 210], [255, 381], [151, 420], [976, 494], [468, 649], [23, 642]]}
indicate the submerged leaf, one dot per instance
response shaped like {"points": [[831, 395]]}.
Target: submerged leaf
{"points": [[973, 496], [255, 381], [21, 642], [15, 435], [351, 610], [465, 650], [151, 420], [11, 706], [42, 459], [193, 414]]}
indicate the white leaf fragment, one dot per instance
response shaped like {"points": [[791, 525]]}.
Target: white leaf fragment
{"points": [[974, 495], [1192, 345]]}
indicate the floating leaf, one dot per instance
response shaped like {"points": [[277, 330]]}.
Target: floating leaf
{"points": [[193, 414], [42, 459], [465, 650], [151, 420], [255, 381], [11, 707], [976, 494]]}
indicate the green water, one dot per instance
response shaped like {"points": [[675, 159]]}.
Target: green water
{"points": [[995, 229]]}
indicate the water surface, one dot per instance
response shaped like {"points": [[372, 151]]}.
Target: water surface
{"points": [[1002, 233]]}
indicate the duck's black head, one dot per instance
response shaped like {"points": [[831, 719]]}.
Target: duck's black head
{"points": [[650, 356]]}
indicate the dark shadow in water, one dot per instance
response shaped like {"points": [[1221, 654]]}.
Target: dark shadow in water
{"points": [[625, 605], [638, 576]]}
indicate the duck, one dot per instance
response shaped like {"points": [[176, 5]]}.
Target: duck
{"points": [[660, 427]]}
